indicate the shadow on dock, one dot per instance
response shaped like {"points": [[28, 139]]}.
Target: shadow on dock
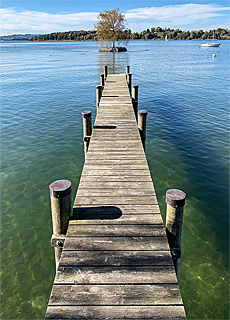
{"points": [[94, 213]]}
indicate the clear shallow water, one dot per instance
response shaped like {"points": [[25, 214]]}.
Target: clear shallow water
{"points": [[45, 87]]}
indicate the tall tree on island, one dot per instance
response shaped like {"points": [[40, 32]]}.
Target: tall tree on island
{"points": [[110, 27]]}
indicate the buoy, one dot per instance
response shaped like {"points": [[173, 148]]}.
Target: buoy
{"points": [[213, 55]]}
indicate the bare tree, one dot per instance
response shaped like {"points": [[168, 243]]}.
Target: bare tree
{"points": [[110, 27]]}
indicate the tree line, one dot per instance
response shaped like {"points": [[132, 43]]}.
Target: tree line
{"points": [[149, 34]]}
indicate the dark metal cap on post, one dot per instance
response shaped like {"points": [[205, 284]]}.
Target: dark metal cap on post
{"points": [[175, 198], [60, 188], [86, 114]]}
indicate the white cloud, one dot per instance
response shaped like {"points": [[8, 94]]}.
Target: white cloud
{"points": [[186, 16], [175, 15], [42, 22]]}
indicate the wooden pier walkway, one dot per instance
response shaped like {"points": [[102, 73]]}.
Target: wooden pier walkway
{"points": [[116, 262]]}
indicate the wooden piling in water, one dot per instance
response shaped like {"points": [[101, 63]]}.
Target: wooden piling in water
{"points": [[102, 79], [129, 81], [87, 129], [127, 70], [98, 95], [142, 117], [135, 99], [105, 71], [61, 208], [175, 200]]}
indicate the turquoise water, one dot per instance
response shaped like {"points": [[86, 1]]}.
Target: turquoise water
{"points": [[45, 87]]}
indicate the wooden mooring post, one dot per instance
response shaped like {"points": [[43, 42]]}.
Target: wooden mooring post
{"points": [[87, 129], [61, 208], [102, 79], [175, 200], [129, 81], [135, 99], [105, 71], [98, 95], [142, 117]]}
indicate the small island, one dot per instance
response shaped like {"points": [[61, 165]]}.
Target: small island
{"points": [[110, 29], [111, 49]]}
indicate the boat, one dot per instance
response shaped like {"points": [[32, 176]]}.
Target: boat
{"points": [[166, 37], [211, 44]]}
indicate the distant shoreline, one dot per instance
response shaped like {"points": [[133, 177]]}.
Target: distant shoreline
{"points": [[149, 34], [26, 40]]}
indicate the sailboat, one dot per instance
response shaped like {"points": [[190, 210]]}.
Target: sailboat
{"points": [[166, 37], [211, 44]]}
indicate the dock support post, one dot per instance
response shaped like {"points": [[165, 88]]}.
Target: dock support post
{"points": [[61, 208], [142, 117], [175, 200], [105, 71], [102, 78], [87, 129], [135, 99], [127, 71], [129, 81], [98, 95]]}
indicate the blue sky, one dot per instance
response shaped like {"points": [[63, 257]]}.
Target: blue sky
{"points": [[38, 16]]}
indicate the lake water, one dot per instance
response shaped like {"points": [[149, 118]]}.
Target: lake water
{"points": [[45, 87]]}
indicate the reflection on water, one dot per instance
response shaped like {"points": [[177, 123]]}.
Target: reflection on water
{"points": [[45, 87], [115, 61]]}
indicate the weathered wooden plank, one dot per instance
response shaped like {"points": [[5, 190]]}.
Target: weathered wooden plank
{"points": [[116, 243], [116, 313], [114, 218], [105, 192], [116, 295], [115, 200], [115, 166], [115, 258], [101, 162], [115, 275], [110, 172], [116, 230], [137, 185]]}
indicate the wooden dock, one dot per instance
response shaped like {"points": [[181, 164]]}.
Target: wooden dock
{"points": [[116, 262]]}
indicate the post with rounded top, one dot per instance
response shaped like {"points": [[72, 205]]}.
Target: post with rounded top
{"points": [[98, 95], [127, 70], [102, 78], [87, 129], [105, 71], [135, 99], [142, 117], [175, 200], [129, 81], [61, 208]]}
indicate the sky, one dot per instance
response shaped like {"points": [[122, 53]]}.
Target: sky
{"points": [[40, 17]]}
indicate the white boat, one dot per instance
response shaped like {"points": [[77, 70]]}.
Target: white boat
{"points": [[211, 44], [166, 37]]}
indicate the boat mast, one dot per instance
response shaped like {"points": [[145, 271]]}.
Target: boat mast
{"points": [[213, 32]]}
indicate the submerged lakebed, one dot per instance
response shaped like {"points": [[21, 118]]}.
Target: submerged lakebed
{"points": [[45, 87]]}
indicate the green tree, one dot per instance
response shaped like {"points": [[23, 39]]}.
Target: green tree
{"points": [[110, 27]]}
